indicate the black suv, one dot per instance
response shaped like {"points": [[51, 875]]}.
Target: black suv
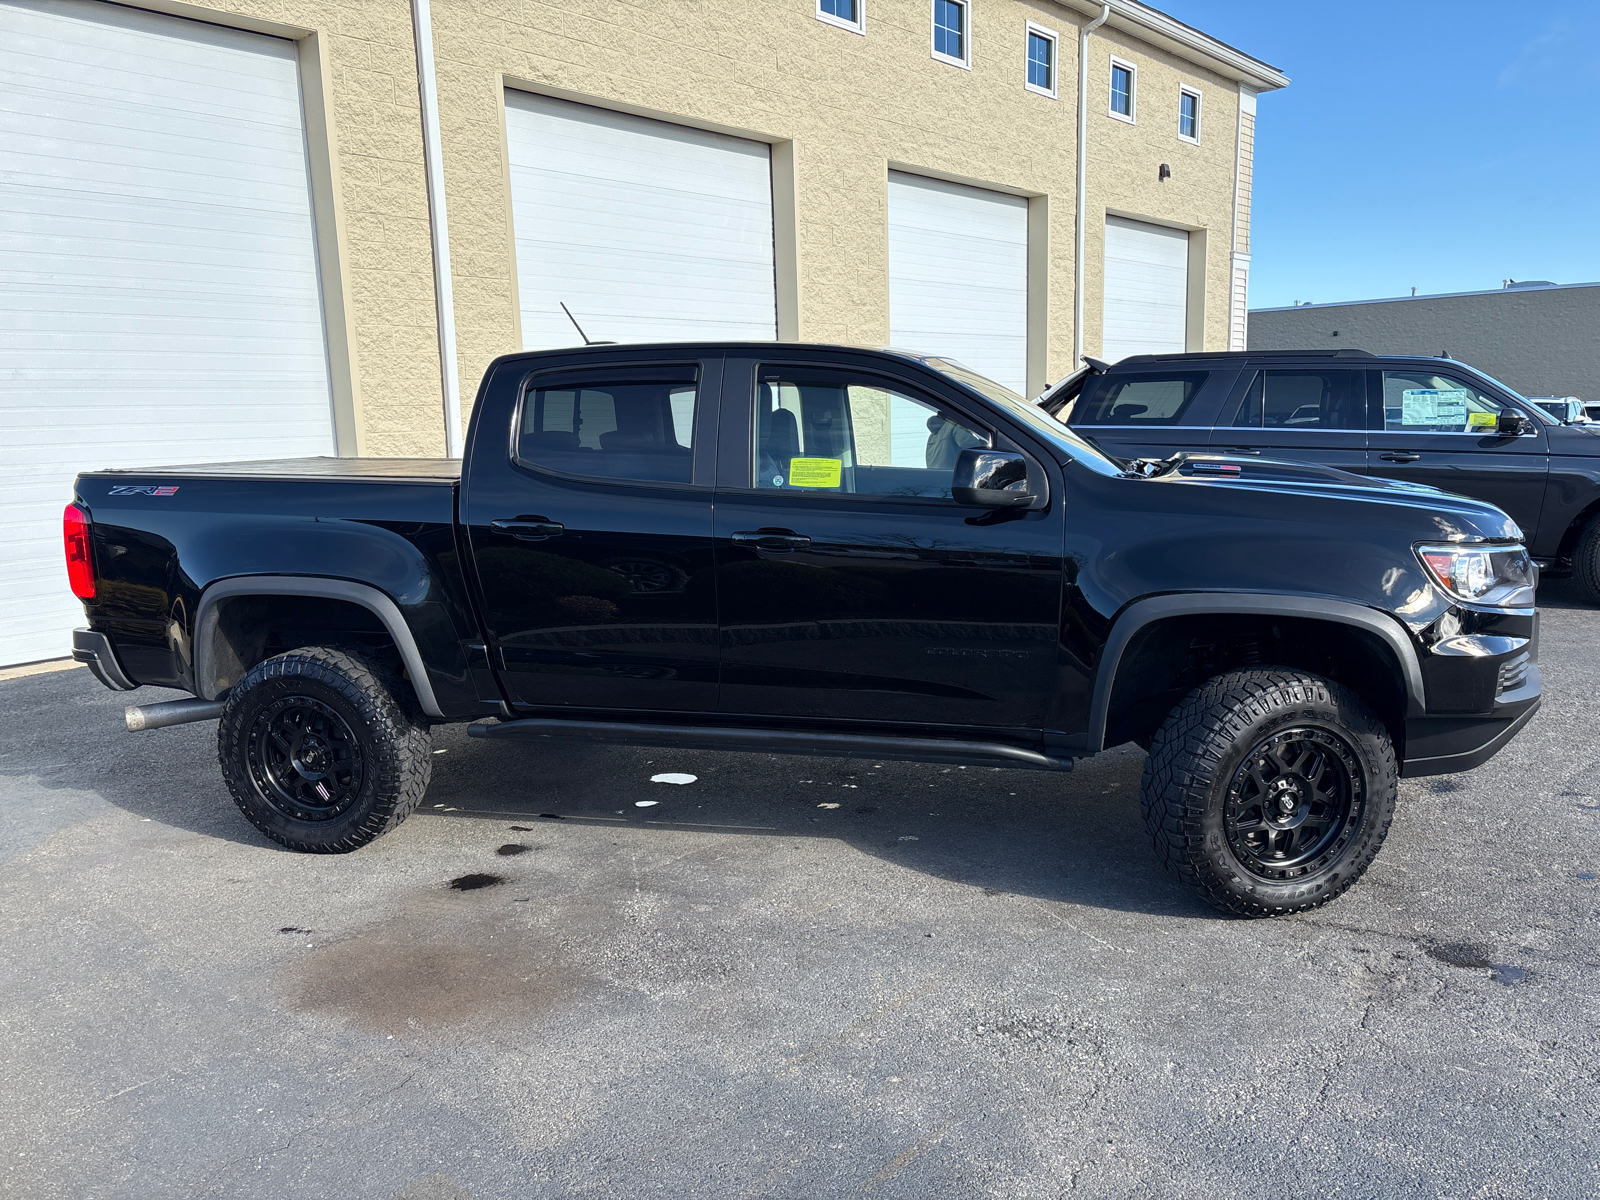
{"points": [[1433, 421]]}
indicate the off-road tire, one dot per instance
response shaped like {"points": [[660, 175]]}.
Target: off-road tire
{"points": [[382, 736], [1586, 562], [1198, 757]]}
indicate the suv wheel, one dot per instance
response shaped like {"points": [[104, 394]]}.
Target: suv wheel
{"points": [[1269, 791], [1586, 562], [319, 754]]}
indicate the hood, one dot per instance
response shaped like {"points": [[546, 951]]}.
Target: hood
{"points": [[1453, 515]]}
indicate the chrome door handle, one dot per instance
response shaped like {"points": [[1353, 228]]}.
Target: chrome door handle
{"points": [[771, 539], [529, 529], [1399, 456]]}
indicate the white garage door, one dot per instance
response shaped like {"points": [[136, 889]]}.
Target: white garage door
{"points": [[647, 231], [1147, 289], [159, 300], [958, 275]]}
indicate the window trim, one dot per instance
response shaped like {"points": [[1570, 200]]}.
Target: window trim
{"points": [[893, 382], [1054, 39], [1131, 117], [708, 385], [1185, 89], [965, 62], [859, 25]]}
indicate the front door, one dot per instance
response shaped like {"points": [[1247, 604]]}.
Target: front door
{"points": [[591, 534], [1440, 430], [1300, 414], [851, 585]]}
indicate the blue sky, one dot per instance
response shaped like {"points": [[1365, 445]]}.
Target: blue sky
{"points": [[1441, 146]]}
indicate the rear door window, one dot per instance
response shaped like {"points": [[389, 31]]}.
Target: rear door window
{"points": [[1156, 399], [1284, 400], [631, 425]]}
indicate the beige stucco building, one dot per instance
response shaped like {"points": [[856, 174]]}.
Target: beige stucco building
{"points": [[253, 228]]}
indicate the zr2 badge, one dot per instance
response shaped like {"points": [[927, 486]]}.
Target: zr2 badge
{"points": [[144, 489]]}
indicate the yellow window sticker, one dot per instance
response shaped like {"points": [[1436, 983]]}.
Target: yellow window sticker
{"points": [[1478, 420], [815, 472]]}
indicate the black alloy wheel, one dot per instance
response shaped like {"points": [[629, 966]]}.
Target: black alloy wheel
{"points": [[305, 759], [323, 750], [1294, 803], [1269, 791]]}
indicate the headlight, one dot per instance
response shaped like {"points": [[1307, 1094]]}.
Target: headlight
{"points": [[1499, 575]]}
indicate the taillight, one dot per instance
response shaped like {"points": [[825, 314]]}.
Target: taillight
{"points": [[80, 567]]}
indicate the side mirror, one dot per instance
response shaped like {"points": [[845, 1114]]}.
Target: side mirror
{"points": [[991, 479], [1511, 424]]}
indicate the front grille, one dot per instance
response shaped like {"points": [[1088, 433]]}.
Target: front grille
{"points": [[1513, 674]]}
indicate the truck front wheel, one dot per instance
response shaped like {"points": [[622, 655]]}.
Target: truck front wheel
{"points": [[319, 754], [1269, 791]]}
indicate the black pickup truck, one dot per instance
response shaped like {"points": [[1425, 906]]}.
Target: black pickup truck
{"points": [[821, 550]]}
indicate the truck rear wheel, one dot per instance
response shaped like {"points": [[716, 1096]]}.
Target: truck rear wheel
{"points": [[319, 754], [1269, 791], [1586, 562]]}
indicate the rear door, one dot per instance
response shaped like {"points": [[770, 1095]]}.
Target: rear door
{"points": [[1303, 414], [1439, 429], [851, 585], [590, 524]]}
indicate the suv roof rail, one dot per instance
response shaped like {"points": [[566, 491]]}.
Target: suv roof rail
{"points": [[1243, 354]]}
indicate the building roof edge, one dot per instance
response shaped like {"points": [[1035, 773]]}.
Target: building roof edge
{"points": [[1499, 291], [1171, 33]]}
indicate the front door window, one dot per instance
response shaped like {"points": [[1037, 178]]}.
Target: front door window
{"points": [[817, 432]]}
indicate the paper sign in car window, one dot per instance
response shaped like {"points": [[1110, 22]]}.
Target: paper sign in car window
{"points": [[1482, 420], [1433, 407], [815, 472]]}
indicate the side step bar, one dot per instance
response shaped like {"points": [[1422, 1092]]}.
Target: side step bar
{"points": [[776, 741]]}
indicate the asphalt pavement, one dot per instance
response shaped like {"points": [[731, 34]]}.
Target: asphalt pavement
{"points": [[796, 978]]}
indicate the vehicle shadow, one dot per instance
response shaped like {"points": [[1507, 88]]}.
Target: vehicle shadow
{"points": [[1073, 837], [1562, 593]]}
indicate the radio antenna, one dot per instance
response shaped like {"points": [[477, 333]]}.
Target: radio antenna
{"points": [[587, 341]]}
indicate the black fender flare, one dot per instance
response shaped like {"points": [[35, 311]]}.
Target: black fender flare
{"points": [[1141, 613], [368, 597]]}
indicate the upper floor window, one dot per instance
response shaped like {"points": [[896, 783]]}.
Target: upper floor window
{"points": [[1041, 60], [846, 14], [1124, 79], [1189, 115], [952, 36]]}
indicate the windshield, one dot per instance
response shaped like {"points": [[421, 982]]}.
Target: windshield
{"points": [[1041, 422]]}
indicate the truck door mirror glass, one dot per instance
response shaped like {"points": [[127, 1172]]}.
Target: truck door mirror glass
{"points": [[991, 479]]}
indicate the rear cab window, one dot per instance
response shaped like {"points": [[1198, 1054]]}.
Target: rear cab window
{"points": [[1158, 398]]}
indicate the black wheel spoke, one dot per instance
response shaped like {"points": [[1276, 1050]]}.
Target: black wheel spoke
{"points": [[1291, 801], [307, 759]]}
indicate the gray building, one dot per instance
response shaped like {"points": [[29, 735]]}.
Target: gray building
{"points": [[1541, 338]]}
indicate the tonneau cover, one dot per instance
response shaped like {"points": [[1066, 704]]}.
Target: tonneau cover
{"points": [[418, 470]]}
